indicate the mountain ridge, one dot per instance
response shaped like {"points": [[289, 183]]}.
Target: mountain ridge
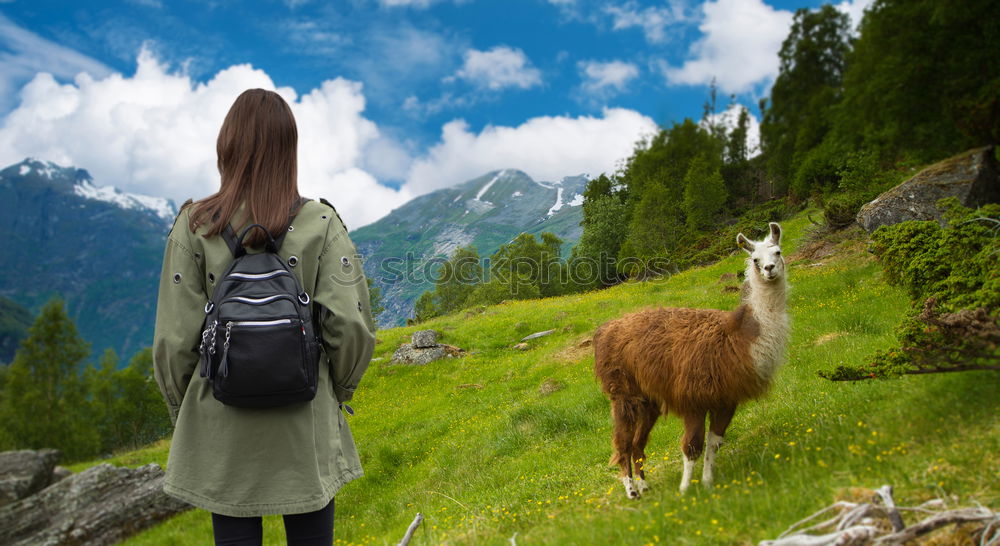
{"points": [[98, 248], [101, 249], [401, 249]]}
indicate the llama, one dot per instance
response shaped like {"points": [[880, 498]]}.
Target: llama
{"points": [[693, 362]]}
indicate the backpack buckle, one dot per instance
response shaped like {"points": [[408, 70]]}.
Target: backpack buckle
{"points": [[209, 306], [304, 298]]}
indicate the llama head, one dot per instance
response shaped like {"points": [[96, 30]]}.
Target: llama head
{"points": [[765, 261]]}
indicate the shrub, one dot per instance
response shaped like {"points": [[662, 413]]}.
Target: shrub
{"points": [[840, 210], [952, 275]]}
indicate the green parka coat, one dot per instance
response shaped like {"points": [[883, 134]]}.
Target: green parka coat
{"points": [[251, 462]]}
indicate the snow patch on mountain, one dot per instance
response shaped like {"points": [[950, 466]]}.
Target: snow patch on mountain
{"points": [[83, 186], [158, 205], [576, 201], [559, 202], [45, 169], [516, 194], [486, 188]]}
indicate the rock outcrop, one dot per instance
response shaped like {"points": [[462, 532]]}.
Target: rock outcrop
{"points": [[24, 473], [43, 504], [423, 339], [424, 349], [973, 177], [101, 505]]}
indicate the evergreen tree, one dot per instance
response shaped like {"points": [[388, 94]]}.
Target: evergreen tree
{"points": [[704, 193], [810, 75], [44, 402], [425, 308], [536, 262], [374, 298], [137, 412], [736, 142], [457, 278], [99, 383], [654, 177], [605, 225], [923, 80], [736, 170]]}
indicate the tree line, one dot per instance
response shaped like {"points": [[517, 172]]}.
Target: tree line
{"points": [[49, 397]]}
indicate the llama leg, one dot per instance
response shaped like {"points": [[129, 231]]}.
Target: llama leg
{"points": [[648, 414], [692, 445], [720, 419], [623, 415]]}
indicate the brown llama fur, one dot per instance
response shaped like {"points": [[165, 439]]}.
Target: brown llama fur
{"points": [[691, 362]]}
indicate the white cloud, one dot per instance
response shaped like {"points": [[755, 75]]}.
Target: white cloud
{"points": [[156, 4], [855, 9], [652, 20], [499, 67], [154, 133], [417, 4], [24, 53], [606, 78], [729, 120], [407, 3], [547, 148], [739, 46]]}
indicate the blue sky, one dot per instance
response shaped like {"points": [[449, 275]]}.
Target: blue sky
{"points": [[394, 97]]}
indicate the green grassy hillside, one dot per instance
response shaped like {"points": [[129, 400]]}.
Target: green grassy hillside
{"points": [[504, 442]]}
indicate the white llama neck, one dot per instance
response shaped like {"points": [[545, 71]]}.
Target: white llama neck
{"points": [[768, 302]]}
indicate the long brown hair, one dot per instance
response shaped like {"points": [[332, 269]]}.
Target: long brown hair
{"points": [[257, 150]]}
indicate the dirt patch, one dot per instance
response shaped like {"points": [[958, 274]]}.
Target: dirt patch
{"points": [[550, 386], [815, 250], [579, 350], [825, 338], [726, 277]]}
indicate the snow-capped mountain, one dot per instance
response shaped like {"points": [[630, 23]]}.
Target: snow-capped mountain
{"points": [[83, 186], [164, 208], [486, 212], [97, 247]]}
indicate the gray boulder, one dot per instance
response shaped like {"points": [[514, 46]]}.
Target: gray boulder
{"points": [[973, 177], [424, 338], [60, 473], [101, 505], [23, 473], [418, 356]]}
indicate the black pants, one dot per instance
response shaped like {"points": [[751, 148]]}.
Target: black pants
{"points": [[309, 529]]}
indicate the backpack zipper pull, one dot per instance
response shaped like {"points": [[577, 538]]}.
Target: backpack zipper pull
{"points": [[207, 349], [224, 365]]}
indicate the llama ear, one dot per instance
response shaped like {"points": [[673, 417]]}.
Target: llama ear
{"points": [[744, 243], [775, 233]]}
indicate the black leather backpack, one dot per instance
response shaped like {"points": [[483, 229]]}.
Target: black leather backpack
{"points": [[259, 346]]}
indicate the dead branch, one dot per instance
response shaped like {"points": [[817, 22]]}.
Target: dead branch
{"points": [[880, 523], [411, 529], [961, 515], [885, 493]]}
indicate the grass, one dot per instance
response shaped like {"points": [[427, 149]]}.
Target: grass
{"points": [[505, 441]]}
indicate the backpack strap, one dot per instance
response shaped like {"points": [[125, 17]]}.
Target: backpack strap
{"points": [[229, 235], [296, 207], [232, 241]]}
